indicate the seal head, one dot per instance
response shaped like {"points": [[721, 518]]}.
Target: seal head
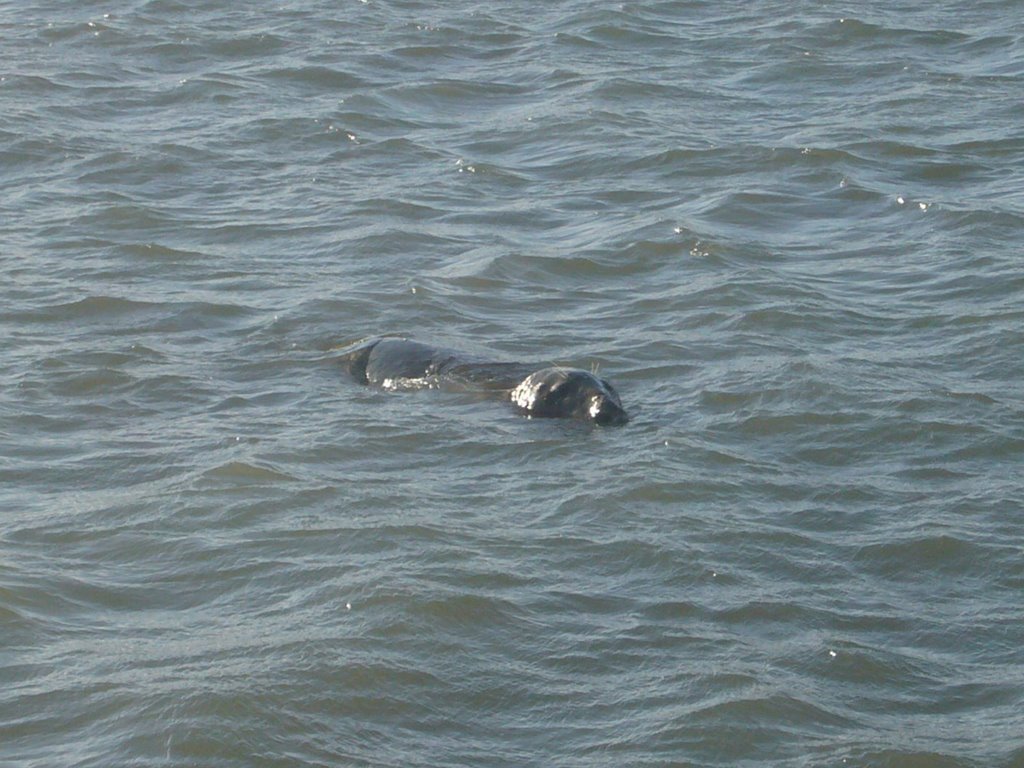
{"points": [[569, 393]]}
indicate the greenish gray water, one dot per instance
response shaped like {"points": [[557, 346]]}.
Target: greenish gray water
{"points": [[789, 233]]}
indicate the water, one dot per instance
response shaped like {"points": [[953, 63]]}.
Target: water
{"points": [[789, 233]]}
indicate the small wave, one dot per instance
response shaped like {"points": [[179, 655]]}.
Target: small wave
{"points": [[59, 33], [318, 78], [160, 253], [849, 29], [909, 758], [244, 473], [778, 708], [923, 553], [249, 46], [440, 96], [97, 306], [143, 315], [85, 383]]}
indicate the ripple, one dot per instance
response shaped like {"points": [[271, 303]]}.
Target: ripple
{"points": [[938, 552], [899, 758], [164, 317], [318, 77], [243, 473]]}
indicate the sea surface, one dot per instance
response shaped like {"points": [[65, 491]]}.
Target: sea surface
{"points": [[790, 233]]}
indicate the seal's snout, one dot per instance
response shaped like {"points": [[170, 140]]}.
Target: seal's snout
{"points": [[607, 412]]}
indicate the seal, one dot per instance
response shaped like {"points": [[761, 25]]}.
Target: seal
{"points": [[551, 392]]}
